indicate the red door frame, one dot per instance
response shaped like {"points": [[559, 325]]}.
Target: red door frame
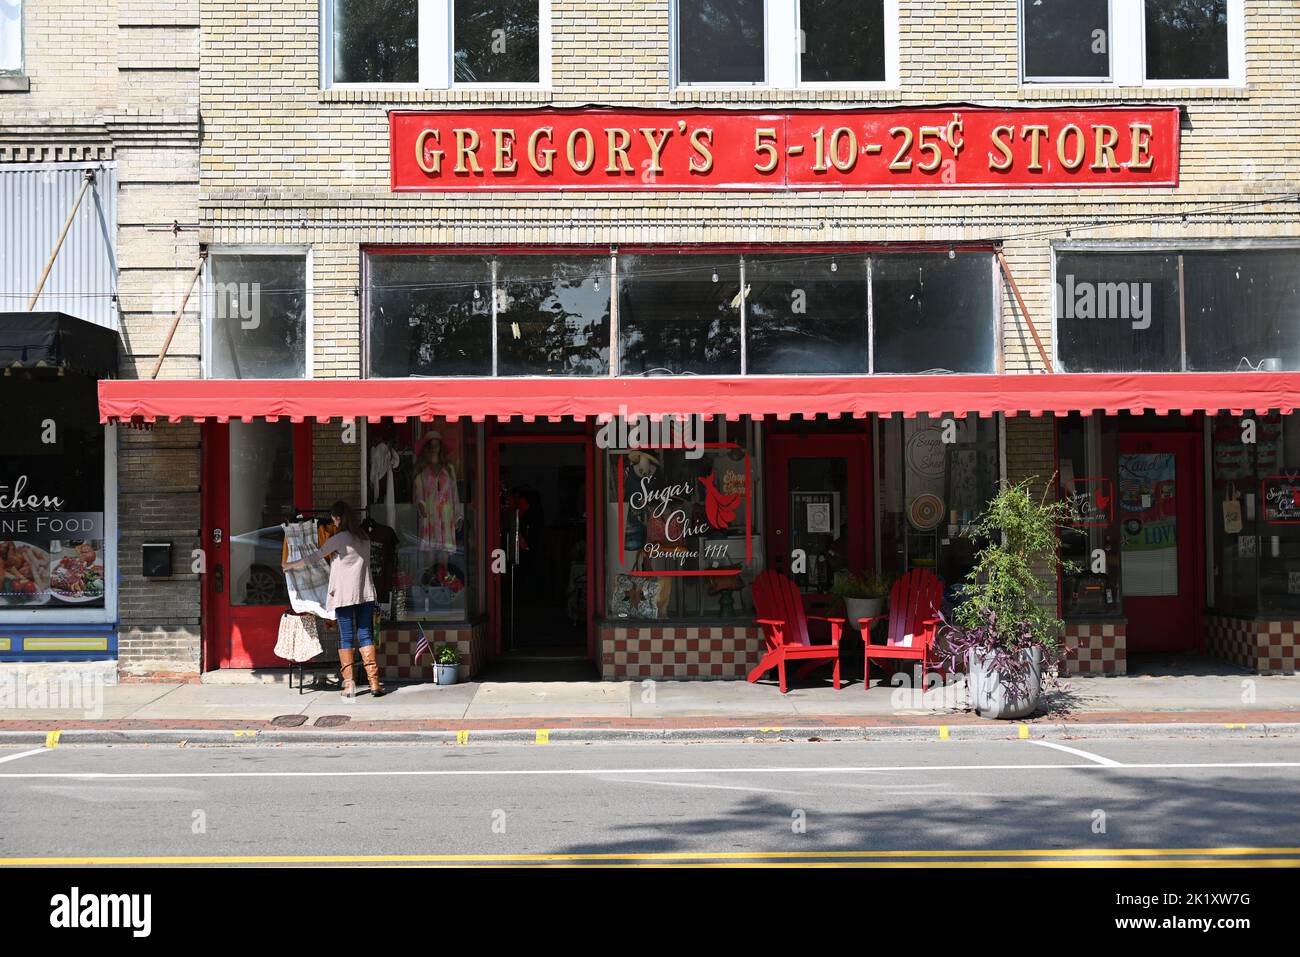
{"points": [[219, 617], [780, 447], [1188, 449], [492, 502]]}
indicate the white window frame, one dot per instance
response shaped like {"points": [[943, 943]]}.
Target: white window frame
{"points": [[22, 43], [205, 312], [782, 54], [437, 51], [1127, 38]]}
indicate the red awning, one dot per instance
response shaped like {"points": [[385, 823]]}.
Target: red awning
{"points": [[780, 396]]}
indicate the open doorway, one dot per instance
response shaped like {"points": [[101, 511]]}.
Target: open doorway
{"points": [[541, 600]]}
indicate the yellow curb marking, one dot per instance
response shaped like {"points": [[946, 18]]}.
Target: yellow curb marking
{"points": [[245, 734], [943, 732], [52, 739], [462, 737], [543, 736], [769, 730], [1086, 857], [1023, 731], [1235, 727]]}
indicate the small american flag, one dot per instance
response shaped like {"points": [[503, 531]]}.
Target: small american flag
{"points": [[422, 645]]}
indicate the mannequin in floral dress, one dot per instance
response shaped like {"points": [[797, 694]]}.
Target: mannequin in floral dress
{"points": [[437, 501]]}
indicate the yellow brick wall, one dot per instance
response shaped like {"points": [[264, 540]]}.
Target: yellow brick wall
{"points": [[285, 162]]}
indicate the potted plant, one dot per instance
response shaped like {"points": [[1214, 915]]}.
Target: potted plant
{"points": [[446, 665], [863, 594], [1003, 631]]}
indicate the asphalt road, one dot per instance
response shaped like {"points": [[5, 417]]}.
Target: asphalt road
{"points": [[862, 802]]}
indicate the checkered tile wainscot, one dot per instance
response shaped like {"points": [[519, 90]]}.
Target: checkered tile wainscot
{"points": [[1269, 647], [1096, 648], [679, 652], [397, 650]]}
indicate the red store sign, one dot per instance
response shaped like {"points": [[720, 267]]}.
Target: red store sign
{"points": [[963, 148]]}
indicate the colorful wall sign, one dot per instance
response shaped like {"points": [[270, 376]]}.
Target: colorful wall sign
{"points": [[967, 147]]}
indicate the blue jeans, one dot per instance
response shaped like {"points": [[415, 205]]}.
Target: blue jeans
{"points": [[354, 623]]}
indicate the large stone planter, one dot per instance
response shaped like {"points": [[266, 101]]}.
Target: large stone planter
{"points": [[990, 698], [855, 609]]}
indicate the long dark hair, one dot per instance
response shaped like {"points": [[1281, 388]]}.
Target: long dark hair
{"points": [[348, 520]]}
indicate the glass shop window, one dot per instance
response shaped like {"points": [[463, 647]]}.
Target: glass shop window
{"points": [[1187, 40], [1089, 450], [52, 535], [553, 315], [1242, 308], [423, 518], [933, 313], [931, 490], [496, 41], [1255, 511], [1065, 40], [1118, 312], [681, 539], [679, 315], [255, 311], [376, 41], [842, 41], [430, 315], [721, 41], [806, 314]]}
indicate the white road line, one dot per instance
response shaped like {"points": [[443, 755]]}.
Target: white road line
{"points": [[555, 772], [711, 787], [1076, 752], [24, 754]]}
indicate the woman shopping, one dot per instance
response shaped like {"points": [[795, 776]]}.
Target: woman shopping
{"points": [[351, 595]]}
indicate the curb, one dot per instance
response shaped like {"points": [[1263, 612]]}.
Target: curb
{"points": [[955, 732]]}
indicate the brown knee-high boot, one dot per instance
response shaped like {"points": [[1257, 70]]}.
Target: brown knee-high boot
{"points": [[347, 658], [371, 662]]}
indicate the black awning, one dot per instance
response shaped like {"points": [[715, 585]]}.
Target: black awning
{"points": [[55, 340]]}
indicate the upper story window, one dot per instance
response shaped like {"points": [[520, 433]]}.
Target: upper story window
{"points": [[1133, 42], [435, 44], [11, 36], [786, 44]]}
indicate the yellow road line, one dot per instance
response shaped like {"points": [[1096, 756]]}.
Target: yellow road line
{"points": [[1104, 856]]}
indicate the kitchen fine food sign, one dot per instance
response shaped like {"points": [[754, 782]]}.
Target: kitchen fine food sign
{"points": [[964, 148]]}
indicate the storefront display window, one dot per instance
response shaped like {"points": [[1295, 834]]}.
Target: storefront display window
{"points": [[680, 533], [423, 518], [1241, 310], [1089, 464], [430, 315], [256, 316], [1132, 312], [53, 537], [1255, 513], [1187, 40], [1060, 39], [935, 477], [932, 312], [1118, 312], [807, 315], [552, 315], [679, 314]]}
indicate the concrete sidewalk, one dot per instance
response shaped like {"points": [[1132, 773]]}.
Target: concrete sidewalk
{"points": [[1226, 697]]}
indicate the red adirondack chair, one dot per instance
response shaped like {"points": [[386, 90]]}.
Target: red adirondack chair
{"points": [[785, 628], [914, 604]]}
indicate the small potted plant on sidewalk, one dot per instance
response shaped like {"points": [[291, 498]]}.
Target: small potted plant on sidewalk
{"points": [[1004, 631], [446, 665], [863, 594]]}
